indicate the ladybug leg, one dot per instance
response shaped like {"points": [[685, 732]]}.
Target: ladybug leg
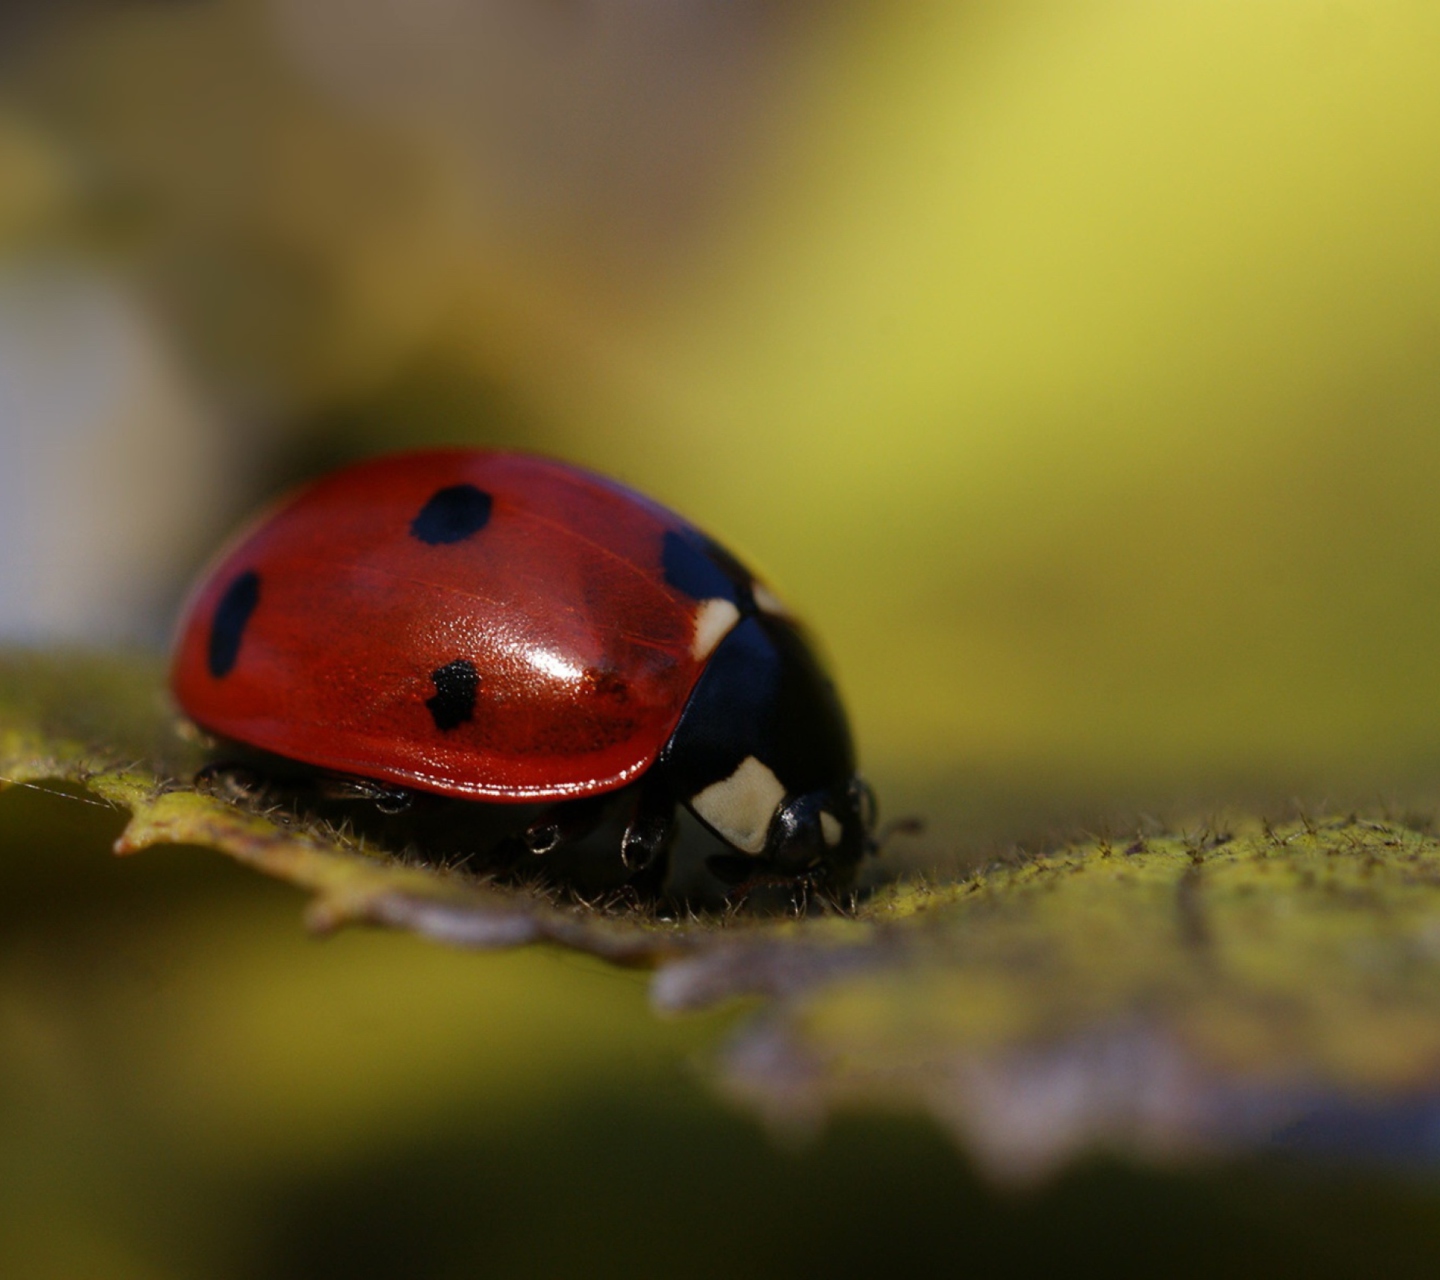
{"points": [[384, 796], [646, 841], [230, 779], [800, 891], [645, 847], [564, 824]]}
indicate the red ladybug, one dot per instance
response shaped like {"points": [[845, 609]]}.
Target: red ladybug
{"points": [[505, 628]]}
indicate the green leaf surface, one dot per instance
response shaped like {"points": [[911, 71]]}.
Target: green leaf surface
{"points": [[1168, 996]]}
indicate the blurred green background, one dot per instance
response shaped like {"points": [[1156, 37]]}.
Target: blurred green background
{"points": [[1071, 366]]}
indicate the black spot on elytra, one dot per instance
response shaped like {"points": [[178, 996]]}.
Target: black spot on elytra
{"points": [[705, 571], [227, 627], [452, 515], [456, 684]]}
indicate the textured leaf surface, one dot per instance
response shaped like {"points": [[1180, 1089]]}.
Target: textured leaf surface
{"points": [[1166, 996], [1177, 995]]}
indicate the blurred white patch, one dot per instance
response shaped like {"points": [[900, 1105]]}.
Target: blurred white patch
{"points": [[830, 828], [767, 601], [109, 472]]}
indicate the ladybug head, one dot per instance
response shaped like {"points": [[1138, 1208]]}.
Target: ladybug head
{"points": [[823, 834]]}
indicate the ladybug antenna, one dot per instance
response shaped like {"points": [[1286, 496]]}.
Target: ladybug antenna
{"points": [[910, 825]]}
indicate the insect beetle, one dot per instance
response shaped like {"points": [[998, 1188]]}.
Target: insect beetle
{"points": [[501, 627]]}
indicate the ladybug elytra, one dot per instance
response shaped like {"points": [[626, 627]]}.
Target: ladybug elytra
{"points": [[500, 627]]}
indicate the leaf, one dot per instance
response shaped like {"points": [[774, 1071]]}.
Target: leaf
{"points": [[1176, 996], [1166, 998]]}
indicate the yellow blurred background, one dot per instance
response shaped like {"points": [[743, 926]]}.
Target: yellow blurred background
{"points": [[1072, 365]]}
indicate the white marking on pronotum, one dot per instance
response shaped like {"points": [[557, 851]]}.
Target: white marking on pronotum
{"points": [[767, 601], [713, 620], [830, 828], [740, 807]]}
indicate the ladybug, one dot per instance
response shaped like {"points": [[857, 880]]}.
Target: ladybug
{"points": [[501, 627]]}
